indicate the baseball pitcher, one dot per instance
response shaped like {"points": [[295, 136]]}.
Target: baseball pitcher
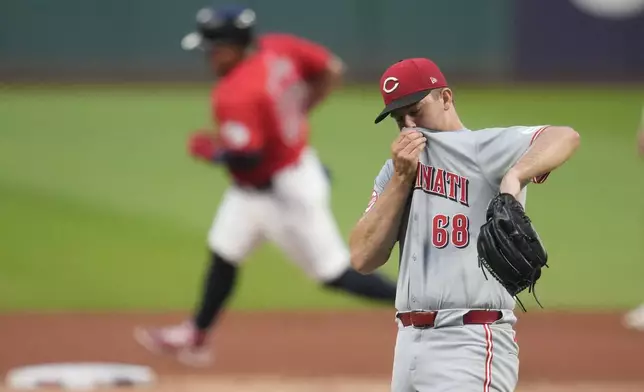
{"points": [[456, 327], [267, 87]]}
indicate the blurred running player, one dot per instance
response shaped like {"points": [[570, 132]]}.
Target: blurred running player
{"points": [[268, 85]]}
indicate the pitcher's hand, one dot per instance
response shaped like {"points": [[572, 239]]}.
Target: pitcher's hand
{"points": [[511, 184], [405, 152]]}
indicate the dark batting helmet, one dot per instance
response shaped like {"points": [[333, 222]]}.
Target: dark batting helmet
{"points": [[230, 24]]}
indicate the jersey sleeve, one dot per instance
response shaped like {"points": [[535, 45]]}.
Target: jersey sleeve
{"points": [[379, 184], [310, 58], [499, 149], [239, 123]]}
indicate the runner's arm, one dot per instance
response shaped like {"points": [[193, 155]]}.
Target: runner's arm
{"points": [[322, 84], [321, 69]]}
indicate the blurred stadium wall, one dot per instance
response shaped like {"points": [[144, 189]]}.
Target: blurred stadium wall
{"points": [[490, 40]]}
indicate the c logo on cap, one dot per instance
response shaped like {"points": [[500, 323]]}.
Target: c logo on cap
{"points": [[389, 90]]}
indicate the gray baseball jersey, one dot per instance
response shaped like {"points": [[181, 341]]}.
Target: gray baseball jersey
{"points": [[458, 174]]}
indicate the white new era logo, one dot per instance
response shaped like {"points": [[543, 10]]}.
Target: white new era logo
{"points": [[434, 80]]}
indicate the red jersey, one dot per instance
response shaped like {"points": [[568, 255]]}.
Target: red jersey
{"points": [[261, 105]]}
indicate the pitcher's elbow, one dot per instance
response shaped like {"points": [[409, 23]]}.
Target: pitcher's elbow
{"points": [[569, 136], [360, 263], [357, 263], [575, 139]]}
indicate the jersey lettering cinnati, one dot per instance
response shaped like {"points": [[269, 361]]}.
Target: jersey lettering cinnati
{"points": [[458, 174]]}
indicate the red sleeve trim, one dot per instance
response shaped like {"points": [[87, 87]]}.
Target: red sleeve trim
{"points": [[372, 201], [542, 178]]}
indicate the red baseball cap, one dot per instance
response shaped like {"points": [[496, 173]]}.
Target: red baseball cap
{"points": [[407, 82]]}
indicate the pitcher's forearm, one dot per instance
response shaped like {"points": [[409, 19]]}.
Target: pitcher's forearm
{"points": [[375, 235]]}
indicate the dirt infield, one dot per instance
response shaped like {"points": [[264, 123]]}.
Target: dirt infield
{"points": [[324, 351]]}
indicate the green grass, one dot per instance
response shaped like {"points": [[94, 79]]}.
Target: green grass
{"points": [[101, 208]]}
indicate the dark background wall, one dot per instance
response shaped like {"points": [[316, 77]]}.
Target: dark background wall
{"points": [[556, 40], [490, 39]]}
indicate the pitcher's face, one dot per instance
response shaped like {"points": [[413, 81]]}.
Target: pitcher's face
{"points": [[429, 113]]}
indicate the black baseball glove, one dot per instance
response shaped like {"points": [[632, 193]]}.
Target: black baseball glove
{"points": [[509, 247]]}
